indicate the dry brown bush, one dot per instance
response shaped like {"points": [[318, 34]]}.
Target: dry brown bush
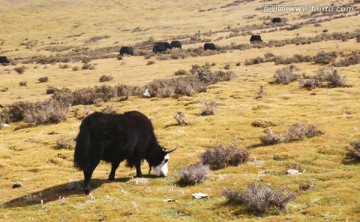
{"points": [[222, 157], [194, 174]]}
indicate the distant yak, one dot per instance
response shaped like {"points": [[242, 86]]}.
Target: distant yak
{"points": [[161, 47], [276, 20], [175, 44], [126, 50], [255, 38], [115, 138], [4, 60], [209, 46]]}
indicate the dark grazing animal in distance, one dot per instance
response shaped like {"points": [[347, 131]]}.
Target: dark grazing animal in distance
{"points": [[4, 60], [115, 138], [161, 47], [276, 20], [126, 50], [255, 38], [175, 44], [209, 46]]}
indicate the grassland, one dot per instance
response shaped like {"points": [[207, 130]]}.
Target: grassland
{"points": [[52, 189]]}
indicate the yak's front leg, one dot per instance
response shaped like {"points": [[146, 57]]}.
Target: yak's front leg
{"points": [[138, 169], [87, 175], [114, 166]]}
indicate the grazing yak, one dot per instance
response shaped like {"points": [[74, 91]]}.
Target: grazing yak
{"points": [[4, 60], [255, 38], [115, 138], [276, 20], [209, 46], [126, 50], [175, 44], [161, 47]]}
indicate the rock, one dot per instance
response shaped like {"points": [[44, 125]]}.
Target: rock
{"points": [[200, 195], [293, 172]]}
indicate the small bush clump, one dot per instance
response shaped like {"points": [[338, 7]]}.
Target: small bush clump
{"points": [[63, 143], [325, 57], [286, 75], [180, 72], [105, 78], [324, 77], [181, 118], [222, 157], [23, 83], [209, 108], [353, 152], [20, 69], [43, 79], [261, 199], [296, 132], [194, 174]]}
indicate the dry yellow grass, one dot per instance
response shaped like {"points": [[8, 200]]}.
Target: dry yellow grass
{"points": [[52, 189]]}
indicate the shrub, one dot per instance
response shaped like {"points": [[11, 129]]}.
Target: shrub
{"points": [[296, 132], [271, 138], [353, 152], [105, 78], [286, 75], [43, 79], [150, 63], [20, 69], [180, 72], [193, 174], [261, 93], [109, 109], [50, 111], [324, 57], [204, 74], [261, 199], [63, 143], [75, 68], [4, 89], [89, 66], [50, 90], [181, 118], [222, 157], [23, 83], [209, 108], [326, 76]]}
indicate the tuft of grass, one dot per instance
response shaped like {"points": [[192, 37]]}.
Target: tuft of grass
{"points": [[261, 199], [63, 143], [194, 174], [222, 157]]}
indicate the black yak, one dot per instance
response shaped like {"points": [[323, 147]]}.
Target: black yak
{"points": [[115, 138], [175, 44], [4, 60], [276, 20], [161, 47], [209, 46], [126, 50], [255, 38]]}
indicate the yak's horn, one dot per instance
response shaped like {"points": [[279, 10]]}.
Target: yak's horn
{"points": [[170, 150]]}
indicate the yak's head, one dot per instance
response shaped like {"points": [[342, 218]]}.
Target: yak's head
{"points": [[160, 163]]}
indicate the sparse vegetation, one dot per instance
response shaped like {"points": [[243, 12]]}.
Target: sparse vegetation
{"points": [[261, 199], [209, 108], [20, 69], [43, 79], [353, 151], [105, 78], [181, 118], [224, 156], [286, 75], [194, 174]]}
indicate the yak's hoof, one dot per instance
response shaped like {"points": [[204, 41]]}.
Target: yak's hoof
{"points": [[111, 178], [87, 192]]}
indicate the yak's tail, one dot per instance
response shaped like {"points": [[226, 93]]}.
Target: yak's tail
{"points": [[83, 145]]}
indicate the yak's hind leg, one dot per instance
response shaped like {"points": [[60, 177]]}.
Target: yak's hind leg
{"points": [[114, 166]]}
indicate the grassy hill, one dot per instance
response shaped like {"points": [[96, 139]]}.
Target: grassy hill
{"points": [[61, 39]]}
